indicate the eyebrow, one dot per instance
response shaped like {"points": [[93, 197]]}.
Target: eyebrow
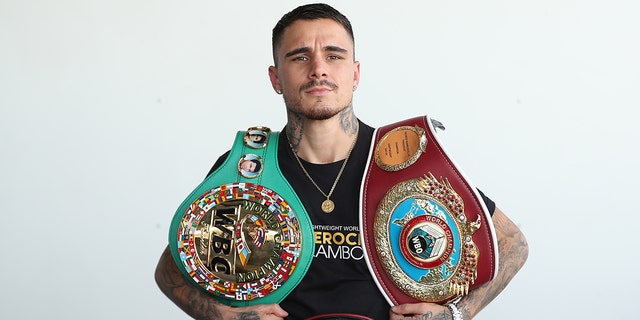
{"points": [[308, 49]]}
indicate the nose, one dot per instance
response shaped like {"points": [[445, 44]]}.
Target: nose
{"points": [[318, 69]]}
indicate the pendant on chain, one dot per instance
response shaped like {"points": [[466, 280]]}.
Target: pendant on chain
{"points": [[327, 206]]}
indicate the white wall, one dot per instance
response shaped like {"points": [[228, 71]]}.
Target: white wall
{"points": [[112, 111]]}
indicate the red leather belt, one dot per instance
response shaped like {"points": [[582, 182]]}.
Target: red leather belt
{"points": [[427, 233]]}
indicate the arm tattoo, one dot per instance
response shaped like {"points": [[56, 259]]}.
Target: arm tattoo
{"points": [[248, 316], [184, 294], [513, 250], [430, 316], [439, 316]]}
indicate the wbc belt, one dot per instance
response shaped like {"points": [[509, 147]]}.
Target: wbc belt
{"points": [[427, 233], [243, 235]]}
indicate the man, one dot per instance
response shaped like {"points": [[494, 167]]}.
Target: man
{"points": [[249, 165], [322, 154], [255, 139]]}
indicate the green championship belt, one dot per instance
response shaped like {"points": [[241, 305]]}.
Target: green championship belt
{"points": [[243, 235]]}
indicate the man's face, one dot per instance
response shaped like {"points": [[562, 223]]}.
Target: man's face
{"points": [[316, 71], [248, 166]]}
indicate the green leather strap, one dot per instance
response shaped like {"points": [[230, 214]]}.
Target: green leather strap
{"points": [[285, 212]]}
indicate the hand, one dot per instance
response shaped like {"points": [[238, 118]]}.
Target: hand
{"points": [[200, 305], [262, 312], [420, 311]]}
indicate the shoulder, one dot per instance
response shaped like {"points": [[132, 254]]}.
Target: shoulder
{"points": [[219, 162]]}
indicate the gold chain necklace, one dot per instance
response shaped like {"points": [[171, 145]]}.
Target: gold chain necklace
{"points": [[327, 205]]}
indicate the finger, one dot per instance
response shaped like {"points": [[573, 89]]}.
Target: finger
{"points": [[410, 308], [273, 309], [395, 316], [278, 311]]}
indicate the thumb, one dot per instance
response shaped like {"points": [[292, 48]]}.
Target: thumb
{"points": [[275, 310], [278, 311], [408, 308]]}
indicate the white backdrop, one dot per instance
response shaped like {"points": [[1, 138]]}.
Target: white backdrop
{"points": [[112, 111]]}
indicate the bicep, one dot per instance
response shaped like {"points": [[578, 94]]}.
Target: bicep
{"points": [[167, 274], [512, 244], [186, 295]]}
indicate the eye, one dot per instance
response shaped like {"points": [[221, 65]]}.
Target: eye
{"points": [[300, 58], [334, 57]]}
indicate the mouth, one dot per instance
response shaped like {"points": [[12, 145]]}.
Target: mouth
{"points": [[319, 88], [318, 91]]}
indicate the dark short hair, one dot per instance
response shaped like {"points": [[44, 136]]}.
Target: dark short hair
{"points": [[262, 137], [258, 165], [308, 12]]}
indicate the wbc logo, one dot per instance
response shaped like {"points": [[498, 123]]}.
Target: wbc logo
{"points": [[240, 241]]}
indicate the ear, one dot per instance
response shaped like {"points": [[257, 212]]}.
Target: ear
{"points": [[275, 81], [356, 73]]}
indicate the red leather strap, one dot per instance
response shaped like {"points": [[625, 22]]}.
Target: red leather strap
{"points": [[433, 161]]}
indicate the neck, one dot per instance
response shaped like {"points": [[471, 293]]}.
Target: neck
{"points": [[322, 141]]}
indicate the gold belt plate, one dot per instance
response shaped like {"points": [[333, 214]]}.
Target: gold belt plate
{"points": [[424, 240], [239, 241]]}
